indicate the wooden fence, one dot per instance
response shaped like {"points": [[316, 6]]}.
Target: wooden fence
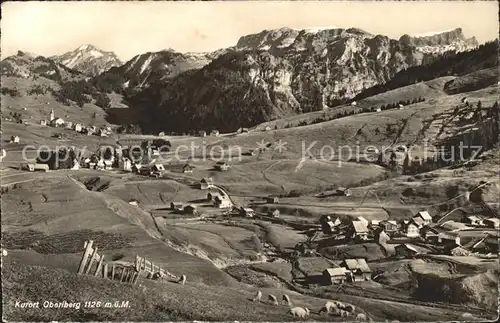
{"points": [[144, 265], [93, 263]]}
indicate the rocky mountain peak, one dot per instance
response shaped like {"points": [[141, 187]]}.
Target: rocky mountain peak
{"points": [[89, 60], [440, 42]]}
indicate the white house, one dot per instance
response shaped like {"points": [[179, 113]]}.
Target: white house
{"points": [[14, 139], [222, 202], [425, 216], [57, 122], [69, 125], [353, 103]]}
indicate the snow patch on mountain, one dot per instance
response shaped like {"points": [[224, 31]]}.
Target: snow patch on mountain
{"points": [[89, 60], [146, 63]]}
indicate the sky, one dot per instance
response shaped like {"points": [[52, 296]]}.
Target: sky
{"points": [[131, 28]]}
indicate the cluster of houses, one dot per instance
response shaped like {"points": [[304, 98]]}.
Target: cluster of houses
{"points": [[419, 229], [59, 122], [349, 270], [203, 133]]}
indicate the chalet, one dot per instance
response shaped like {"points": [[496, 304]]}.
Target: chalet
{"points": [[215, 133], [176, 206], [202, 133], [158, 168], [133, 202], [57, 122], [328, 227], [41, 168], [76, 165], [388, 226], [221, 166], [353, 103], [69, 125], [126, 165], [411, 230], [274, 214], [14, 139], [272, 200], [358, 269], [362, 219], [102, 132], [429, 234], [358, 230], [418, 221], [100, 164], [464, 100], [247, 212], [190, 209], [425, 216], [222, 202], [243, 130], [406, 250], [378, 110], [77, 127], [187, 168], [206, 183], [492, 223], [449, 238], [342, 191], [267, 128], [472, 220], [335, 275], [373, 224], [43, 122]]}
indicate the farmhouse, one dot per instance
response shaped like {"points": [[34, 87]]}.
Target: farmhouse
{"points": [[190, 209], [358, 230], [274, 214], [388, 226], [411, 230], [362, 219], [492, 223], [202, 133], [272, 200], [176, 206], [187, 168], [43, 122], [342, 191], [358, 269], [133, 202], [14, 139], [57, 122], [406, 250], [247, 212], [158, 168], [77, 127], [221, 166], [215, 133], [206, 183], [425, 216], [69, 125], [335, 275], [418, 221], [472, 220], [429, 233], [222, 202], [449, 238], [453, 226]]}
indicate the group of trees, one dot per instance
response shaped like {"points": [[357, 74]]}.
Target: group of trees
{"points": [[81, 92], [37, 90], [9, 91], [395, 105], [130, 128], [61, 159]]}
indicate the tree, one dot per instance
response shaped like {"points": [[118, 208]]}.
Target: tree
{"points": [[479, 105], [406, 165], [256, 243]]}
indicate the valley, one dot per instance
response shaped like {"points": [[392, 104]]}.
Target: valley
{"points": [[297, 162]]}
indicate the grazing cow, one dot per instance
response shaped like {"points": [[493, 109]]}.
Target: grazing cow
{"points": [[258, 296]]}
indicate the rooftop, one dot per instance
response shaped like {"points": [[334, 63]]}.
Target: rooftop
{"points": [[336, 271], [359, 263]]}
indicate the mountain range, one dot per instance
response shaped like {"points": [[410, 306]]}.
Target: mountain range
{"points": [[265, 76]]}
